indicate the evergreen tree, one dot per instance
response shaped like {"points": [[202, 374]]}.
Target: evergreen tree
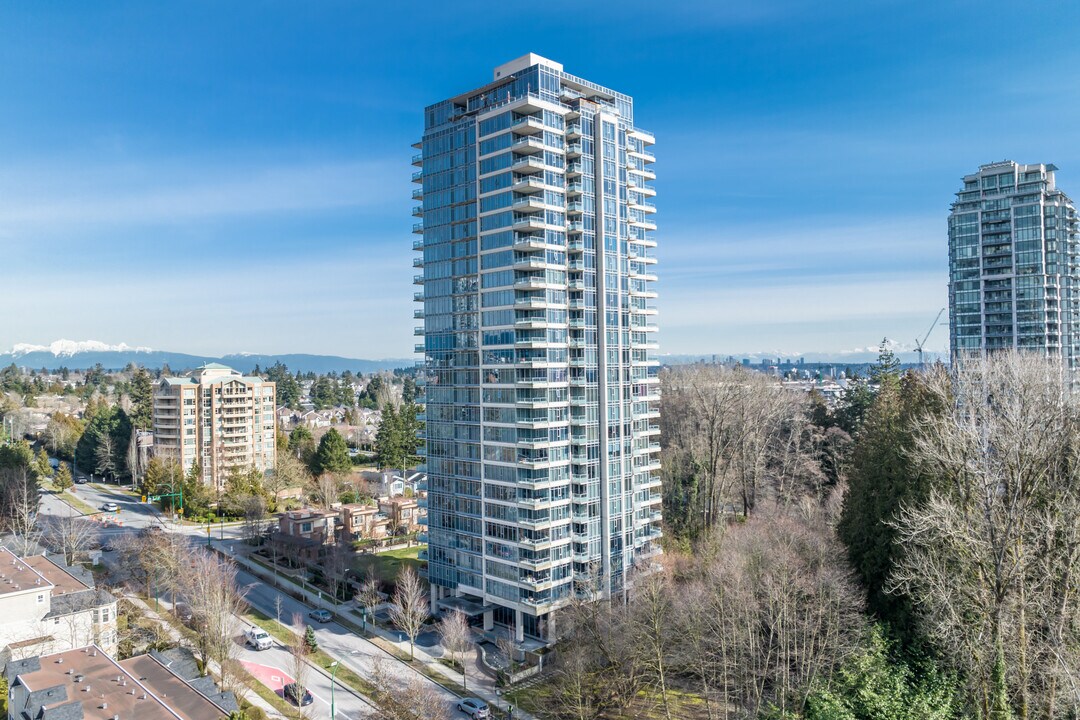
{"points": [[887, 367], [302, 444], [63, 479], [142, 399], [42, 468], [310, 640], [880, 480], [332, 455]]}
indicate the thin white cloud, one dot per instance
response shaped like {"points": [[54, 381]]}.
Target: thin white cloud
{"points": [[40, 200], [354, 303]]}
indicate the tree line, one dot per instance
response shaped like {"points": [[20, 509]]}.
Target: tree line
{"points": [[907, 552]]}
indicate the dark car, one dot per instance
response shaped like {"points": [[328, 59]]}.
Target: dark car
{"points": [[291, 690]]}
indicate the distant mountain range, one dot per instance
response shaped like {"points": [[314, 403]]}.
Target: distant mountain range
{"points": [[88, 353]]}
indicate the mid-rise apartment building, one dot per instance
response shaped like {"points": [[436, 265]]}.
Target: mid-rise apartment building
{"points": [[1014, 258], [217, 418], [539, 343]]}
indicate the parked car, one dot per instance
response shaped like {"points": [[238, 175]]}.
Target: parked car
{"points": [[258, 638], [291, 691], [184, 613], [110, 507], [81, 479], [475, 708], [321, 615]]}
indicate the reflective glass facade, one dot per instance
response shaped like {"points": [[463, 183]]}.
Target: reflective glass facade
{"points": [[539, 343], [1013, 264]]}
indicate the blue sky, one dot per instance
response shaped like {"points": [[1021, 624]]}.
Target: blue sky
{"points": [[224, 177]]}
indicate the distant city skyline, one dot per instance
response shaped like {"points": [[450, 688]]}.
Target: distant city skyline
{"points": [[809, 155]]}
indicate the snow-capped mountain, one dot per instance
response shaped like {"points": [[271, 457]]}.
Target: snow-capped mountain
{"points": [[68, 348]]}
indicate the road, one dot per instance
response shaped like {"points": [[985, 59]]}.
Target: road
{"points": [[279, 662], [353, 651]]}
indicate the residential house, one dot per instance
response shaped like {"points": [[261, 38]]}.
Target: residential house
{"points": [[303, 534], [47, 608], [402, 512], [363, 522]]}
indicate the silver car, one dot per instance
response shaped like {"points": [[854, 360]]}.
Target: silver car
{"points": [[475, 708]]}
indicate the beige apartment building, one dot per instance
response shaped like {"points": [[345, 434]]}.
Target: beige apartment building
{"points": [[217, 418]]}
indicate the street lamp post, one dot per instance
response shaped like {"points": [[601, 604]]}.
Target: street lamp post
{"points": [[333, 675]]}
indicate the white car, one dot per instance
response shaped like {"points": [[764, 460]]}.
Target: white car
{"points": [[110, 507], [258, 638], [475, 708]]}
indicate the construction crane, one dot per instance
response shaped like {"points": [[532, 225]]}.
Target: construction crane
{"points": [[919, 343]]}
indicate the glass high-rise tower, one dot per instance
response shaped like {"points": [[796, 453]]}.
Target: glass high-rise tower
{"points": [[541, 397], [1014, 258]]}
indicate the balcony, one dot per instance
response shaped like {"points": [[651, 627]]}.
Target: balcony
{"points": [[529, 205], [528, 165], [528, 146], [418, 262], [418, 314], [528, 185], [575, 208], [576, 226], [418, 211], [528, 126], [643, 172], [418, 228], [529, 223], [418, 296], [530, 242], [419, 348], [418, 331], [573, 169], [574, 189], [418, 244], [418, 279], [418, 176], [573, 131], [418, 160], [573, 150]]}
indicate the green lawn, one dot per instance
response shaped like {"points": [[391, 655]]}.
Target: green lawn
{"points": [[386, 565]]}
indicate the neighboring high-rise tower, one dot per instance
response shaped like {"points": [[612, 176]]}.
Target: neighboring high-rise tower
{"points": [[1013, 264], [542, 437]]}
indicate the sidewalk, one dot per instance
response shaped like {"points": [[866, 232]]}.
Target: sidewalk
{"points": [[479, 684]]}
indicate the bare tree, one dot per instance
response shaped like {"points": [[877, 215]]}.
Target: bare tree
{"points": [[369, 596], [730, 436], [211, 590], [105, 454], [455, 638], [20, 503], [409, 609], [336, 564], [326, 490], [254, 510], [652, 627], [299, 657], [68, 535], [991, 556], [414, 698]]}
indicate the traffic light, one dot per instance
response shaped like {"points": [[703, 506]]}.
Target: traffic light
{"points": [[144, 498]]}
